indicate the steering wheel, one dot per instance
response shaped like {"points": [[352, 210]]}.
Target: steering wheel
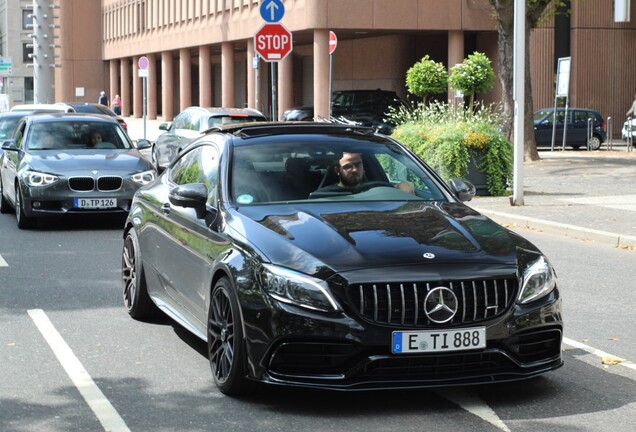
{"points": [[372, 184]]}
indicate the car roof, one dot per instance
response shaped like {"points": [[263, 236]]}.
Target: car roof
{"points": [[54, 107], [92, 108], [61, 116], [265, 128], [220, 111]]}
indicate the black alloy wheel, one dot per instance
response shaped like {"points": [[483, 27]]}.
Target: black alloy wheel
{"points": [[24, 222], [226, 348], [136, 298]]}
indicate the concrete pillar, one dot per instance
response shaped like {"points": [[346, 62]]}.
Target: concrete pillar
{"points": [[322, 99], [137, 89], [205, 77], [185, 78], [455, 53], [151, 88], [285, 84], [167, 79], [227, 75], [126, 77], [114, 79], [251, 74]]}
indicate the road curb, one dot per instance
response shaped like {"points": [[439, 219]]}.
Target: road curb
{"points": [[571, 231]]}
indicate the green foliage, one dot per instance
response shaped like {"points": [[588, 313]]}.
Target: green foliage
{"points": [[427, 77], [447, 139], [474, 75]]}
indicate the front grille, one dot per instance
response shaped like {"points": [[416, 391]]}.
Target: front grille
{"points": [[81, 184], [307, 358], [402, 303], [106, 183], [109, 183]]}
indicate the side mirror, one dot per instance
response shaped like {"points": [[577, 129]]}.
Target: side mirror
{"points": [[143, 144], [164, 126], [9, 145], [463, 189], [192, 195]]}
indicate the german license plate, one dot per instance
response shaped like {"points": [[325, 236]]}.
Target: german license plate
{"points": [[95, 203], [438, 341]]}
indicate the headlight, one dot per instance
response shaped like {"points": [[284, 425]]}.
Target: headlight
{"points": [[538, 280], [35, 178], [295, 288], [143, 178]]}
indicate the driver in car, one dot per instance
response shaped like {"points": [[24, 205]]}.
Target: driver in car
{"points": [[350, 172]]}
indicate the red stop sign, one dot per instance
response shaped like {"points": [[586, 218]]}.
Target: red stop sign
{"points": [[273, 42]]}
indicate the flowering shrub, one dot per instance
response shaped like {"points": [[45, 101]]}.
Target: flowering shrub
{"points": [[447, 140]]}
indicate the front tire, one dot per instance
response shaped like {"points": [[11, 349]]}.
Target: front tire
{"points": [[24, 221], [136, 299], [5, 207], [226, 349]]}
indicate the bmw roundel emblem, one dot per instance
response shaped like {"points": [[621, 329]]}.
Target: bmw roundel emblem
{"points": [[429, 255]]}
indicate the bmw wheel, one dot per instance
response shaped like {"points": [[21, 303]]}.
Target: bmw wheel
{"points": [[24, 221], [595, 143], [5, 207], [226, 348], [136, 298]]}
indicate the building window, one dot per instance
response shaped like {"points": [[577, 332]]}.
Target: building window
{"points": [[27, 48], [27, 20]]}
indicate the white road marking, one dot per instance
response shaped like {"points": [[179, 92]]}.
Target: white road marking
{"points": [[596, 352], [473, 405], [3, 263], [105, 412]]}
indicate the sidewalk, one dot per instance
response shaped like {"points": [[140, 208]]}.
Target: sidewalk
{"points": [[588, 195]]}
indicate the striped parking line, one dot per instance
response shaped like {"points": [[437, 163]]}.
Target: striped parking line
{"points": [[104, 411], [3, 263]]}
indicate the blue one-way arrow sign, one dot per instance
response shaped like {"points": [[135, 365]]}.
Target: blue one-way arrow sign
{"points": [[272, 10]]}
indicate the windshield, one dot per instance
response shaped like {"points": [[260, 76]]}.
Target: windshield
{"points": [[76, 134], [332, 169]]}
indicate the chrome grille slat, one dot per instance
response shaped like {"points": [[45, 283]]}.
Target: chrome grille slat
{"points": [[400, 302], [403, 304]]}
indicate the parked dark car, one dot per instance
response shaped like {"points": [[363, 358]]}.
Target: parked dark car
{"points": [[365, 107], [577, 128], [56, 164], [291, 282], [95, 108], [190, 123]]}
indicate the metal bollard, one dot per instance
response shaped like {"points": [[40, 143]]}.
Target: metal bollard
{"points": [[610, 132], [590, 126]]}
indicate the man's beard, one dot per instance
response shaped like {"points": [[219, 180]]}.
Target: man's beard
{"points": [[351, 181]]}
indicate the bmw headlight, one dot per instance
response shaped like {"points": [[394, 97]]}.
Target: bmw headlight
{"points": [[538, 280], [143, 178], [298, 289], [35, 178]]}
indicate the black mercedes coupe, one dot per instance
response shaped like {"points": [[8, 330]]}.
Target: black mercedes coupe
{"points": [[330, 256]]}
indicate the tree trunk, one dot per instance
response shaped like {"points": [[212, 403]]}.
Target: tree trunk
{"points": [[504, 12]]}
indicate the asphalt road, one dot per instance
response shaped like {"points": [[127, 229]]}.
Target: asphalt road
{"points": [[73, 360]]}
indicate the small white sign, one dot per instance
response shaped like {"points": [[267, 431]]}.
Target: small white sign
{"points": [[80, 92], [142, 73]]}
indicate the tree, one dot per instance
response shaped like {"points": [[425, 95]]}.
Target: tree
{"points": [[426, 77], [504, 13], [473, 75]]}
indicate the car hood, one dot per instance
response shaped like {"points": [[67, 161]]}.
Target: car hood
{"points": [[350, 236], [68, 161]]}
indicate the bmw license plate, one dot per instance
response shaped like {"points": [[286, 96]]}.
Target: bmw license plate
{"points": [[438, 341], [95, 203]]}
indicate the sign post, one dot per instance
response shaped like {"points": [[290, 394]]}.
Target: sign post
{"points": [[272, 42], [563, 91], [143, 63], [333, 43]]}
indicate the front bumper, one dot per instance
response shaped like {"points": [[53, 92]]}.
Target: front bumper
{"points": [[350, 354]]}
